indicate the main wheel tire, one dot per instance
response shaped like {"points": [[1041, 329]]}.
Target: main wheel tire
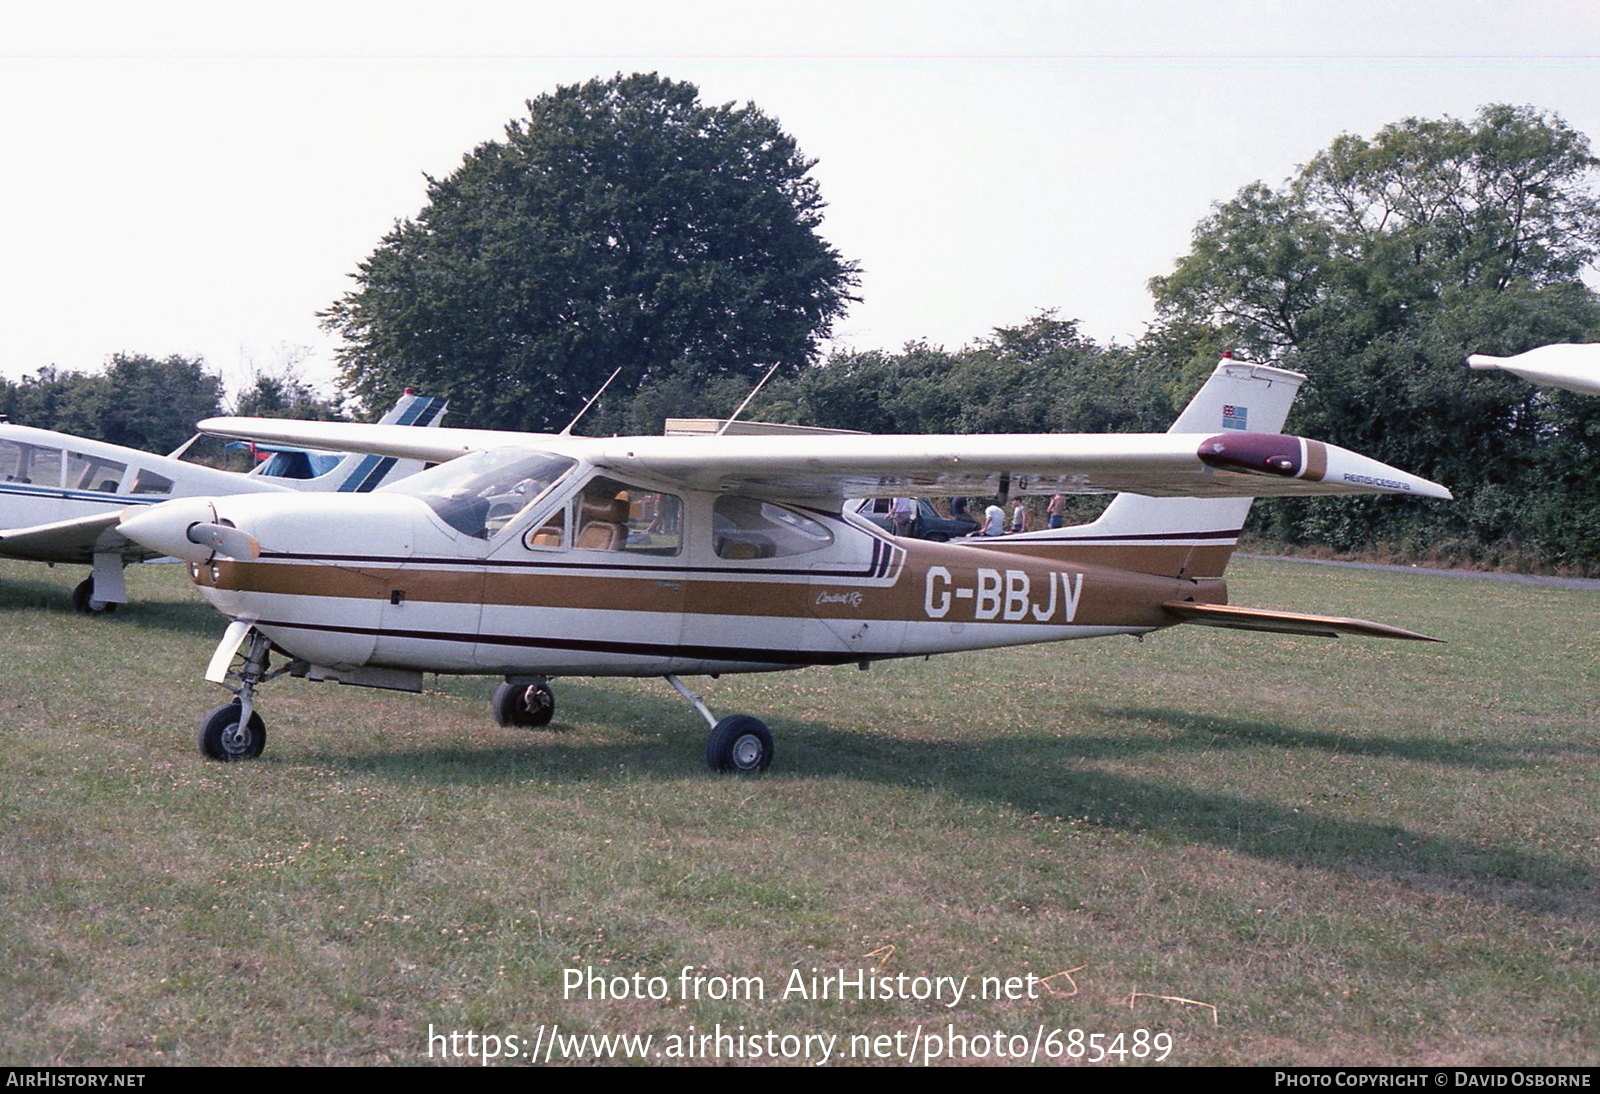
{"points": [[220, 737], [740, 744], [525, 706], [83, 599]]}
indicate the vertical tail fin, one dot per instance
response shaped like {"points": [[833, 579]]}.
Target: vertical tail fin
{"points": [[1182, 537]]}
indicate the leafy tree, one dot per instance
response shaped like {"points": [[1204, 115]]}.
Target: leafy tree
{"points": [[138, 401], [868, 391], [285, 395], [155, 404], [1042, 376], [1375, 270], [621, 223], [277, 388], [1045, 377]]}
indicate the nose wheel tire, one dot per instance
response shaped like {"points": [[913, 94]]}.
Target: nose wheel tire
{"points": [[739, 744], [220, 736], [526, 706]]}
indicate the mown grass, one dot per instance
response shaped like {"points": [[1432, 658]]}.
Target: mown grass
{"points": [[1356, 852]]}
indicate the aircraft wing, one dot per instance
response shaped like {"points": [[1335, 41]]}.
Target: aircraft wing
{"points": [[1237, 464], [435, 445], [1230, 464], [76, 540]]}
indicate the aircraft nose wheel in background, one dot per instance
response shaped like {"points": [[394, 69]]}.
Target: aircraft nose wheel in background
{"points": [[524, 705], [220, 736], [83, 599]]}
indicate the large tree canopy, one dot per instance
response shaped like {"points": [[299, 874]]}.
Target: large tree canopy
{"points": [[620, 224], [1375, 270], [1370, 230]]}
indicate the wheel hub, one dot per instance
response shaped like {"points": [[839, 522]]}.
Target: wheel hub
{"points": [[747, 751]]}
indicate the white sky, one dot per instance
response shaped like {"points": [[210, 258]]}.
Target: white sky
{"points": [[202, 178]]}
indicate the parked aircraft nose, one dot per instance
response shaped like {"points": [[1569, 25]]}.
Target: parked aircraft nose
{"points": [[185, 528]]}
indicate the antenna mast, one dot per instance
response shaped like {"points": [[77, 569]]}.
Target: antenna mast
{"points": [[748, 397], [567, 432]]}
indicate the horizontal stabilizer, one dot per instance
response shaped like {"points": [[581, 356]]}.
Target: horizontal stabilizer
{"points": [[1261, 619]]}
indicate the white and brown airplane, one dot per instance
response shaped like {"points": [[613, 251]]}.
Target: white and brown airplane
{"points": [[529, 557], [1575, 367], [62, 496]]}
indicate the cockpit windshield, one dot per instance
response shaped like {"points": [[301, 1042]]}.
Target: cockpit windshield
{"points": [[479, 494]]}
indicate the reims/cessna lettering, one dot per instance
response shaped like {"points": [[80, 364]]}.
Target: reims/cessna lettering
{"points": [[534, 556]]}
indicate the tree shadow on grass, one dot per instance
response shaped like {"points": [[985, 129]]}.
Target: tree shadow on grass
{"points": [[1207, 732]]}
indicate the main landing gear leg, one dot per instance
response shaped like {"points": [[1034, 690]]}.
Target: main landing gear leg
{"points": [[737, 743], [234, 731]]}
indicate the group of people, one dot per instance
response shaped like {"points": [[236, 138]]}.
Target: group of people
{"points": [[994, 517]]}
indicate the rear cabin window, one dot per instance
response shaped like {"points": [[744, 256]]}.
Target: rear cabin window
{"points": [[146, 481], [93, 473], [746, 528]]}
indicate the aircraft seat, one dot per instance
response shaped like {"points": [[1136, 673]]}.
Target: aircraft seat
{"points": [[602, 524]]}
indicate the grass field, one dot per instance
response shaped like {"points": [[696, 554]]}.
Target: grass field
{"points": [[1273, 849]]}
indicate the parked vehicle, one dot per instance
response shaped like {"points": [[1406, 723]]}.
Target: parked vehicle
{"points": [[929, 523]]}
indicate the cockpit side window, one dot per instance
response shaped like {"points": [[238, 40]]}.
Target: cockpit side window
{"points": [[480, 494], [746, 528], [286, 465], [550, 534], [30, 464]]}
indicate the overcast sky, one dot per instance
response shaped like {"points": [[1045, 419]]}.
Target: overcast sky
{"points": [[184, 178]]}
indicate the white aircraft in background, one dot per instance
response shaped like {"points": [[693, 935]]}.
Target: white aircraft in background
{"points": [[1565, 365], [531, 556], [61, 496]]}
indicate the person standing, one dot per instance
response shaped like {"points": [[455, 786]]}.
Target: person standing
{"points": [[1058, 503], [902, 516], [1019, 518]]}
